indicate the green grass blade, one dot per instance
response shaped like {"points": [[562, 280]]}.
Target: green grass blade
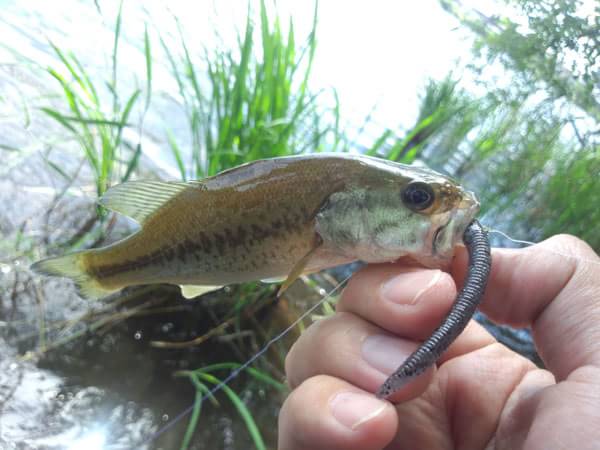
{"points": [[337, 116], [59, 118], [189, 66], [239, 88], [85, 135], [148, 55], [381, 140], [106, 164], [115, 55], [133, 162], [84, 120], [242, 410], [79, 75], [175, 71], [176, 151], [9, 148], [89, 86], [201, 391], [255, 373], [125, 116], [58, 169], [193, 423]]}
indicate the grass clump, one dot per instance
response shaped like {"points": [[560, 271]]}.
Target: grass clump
{"points": [[96, 127], [249, 103]]}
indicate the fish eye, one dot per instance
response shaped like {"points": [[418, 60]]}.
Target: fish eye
{"points": [[418, 196]]}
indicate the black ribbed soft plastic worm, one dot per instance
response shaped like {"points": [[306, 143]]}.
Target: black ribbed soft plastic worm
{"points": [[478, 246]]}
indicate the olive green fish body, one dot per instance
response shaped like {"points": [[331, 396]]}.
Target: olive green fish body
{"points": [[272, 219]]}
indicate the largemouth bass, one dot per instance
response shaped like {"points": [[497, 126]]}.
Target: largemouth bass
{"points": [[273, 219]]}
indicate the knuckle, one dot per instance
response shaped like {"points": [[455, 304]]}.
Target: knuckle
{"points": [[571, 245], [311, 345]]}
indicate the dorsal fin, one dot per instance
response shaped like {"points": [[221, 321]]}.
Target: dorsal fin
{"points": [[140, 199]]}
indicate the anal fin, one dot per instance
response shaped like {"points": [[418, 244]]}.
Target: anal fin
{"points": [[273, 280], [190, 291]]}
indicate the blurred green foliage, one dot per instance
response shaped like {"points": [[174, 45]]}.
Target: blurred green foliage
{"points": [[530, 145], [441, 104], [553, 45]]}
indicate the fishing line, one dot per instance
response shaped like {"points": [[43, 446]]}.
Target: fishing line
{"points": [[529, 244], [234, 373], [506, 236]]}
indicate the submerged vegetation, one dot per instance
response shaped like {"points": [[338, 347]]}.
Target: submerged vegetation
{"points": [[529, 146]]}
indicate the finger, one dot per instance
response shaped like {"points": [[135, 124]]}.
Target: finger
{"points": [[350, 348], [477, 386], [553, 287], [328, 413], [408, 302]]}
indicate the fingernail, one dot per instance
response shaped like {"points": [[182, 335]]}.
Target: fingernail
{"points": [[408, 287], [352, 409], [385, 353]]}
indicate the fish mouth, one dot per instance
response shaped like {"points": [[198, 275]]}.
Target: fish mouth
{"points": [[437, 238], [449, 234]]}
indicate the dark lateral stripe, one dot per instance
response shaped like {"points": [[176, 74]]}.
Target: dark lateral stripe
{"points": [[205, 245], [110, 270]]}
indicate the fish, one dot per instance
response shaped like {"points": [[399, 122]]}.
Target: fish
{"points": [[273, 219]]}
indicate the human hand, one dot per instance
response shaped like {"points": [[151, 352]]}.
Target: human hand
{"points": [[481, 395]]}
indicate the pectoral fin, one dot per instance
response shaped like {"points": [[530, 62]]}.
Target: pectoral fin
{"points": [[191, 291], [298, 269]]}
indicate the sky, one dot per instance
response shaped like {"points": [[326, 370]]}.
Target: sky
{"points": [[381, 54], [376, 54]]}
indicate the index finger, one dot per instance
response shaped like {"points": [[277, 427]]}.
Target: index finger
{"points": [[554, 287]]}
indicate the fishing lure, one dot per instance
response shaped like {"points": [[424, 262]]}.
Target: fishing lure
{"points": [[425, 356]]}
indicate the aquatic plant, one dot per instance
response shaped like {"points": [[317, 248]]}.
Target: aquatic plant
{"points": [[200, 378]]}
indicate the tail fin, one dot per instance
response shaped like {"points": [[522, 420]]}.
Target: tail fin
{"points": [[69, 266]]}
